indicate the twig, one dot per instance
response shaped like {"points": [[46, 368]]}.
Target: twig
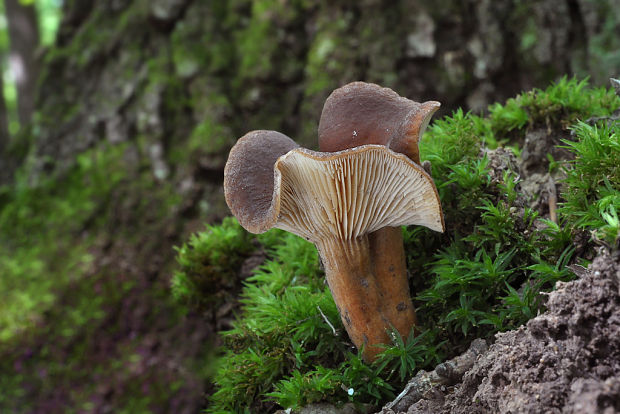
{"points": [[400, 396], [327, 321], [553, 201]]}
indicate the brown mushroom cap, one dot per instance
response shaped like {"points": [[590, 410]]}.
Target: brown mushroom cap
{"points": [[364, 113], [331, 195], [249, 185]]}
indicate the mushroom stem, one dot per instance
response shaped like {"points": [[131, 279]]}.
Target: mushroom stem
{"points": [[387, 253], [367, 309]]}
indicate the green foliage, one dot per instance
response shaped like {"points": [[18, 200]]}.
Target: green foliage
{"points": [[485, 274], [509, 116], [364, 382], [490, 275], [558, 106], [255, 61], [310, 387], [482, 282], [405, 356], [282, 327], [209, 263], [48, 15], [452, 140], [610, 231], [592, 190]]}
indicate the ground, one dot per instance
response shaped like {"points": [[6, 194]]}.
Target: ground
{"points": [[565, 360]]}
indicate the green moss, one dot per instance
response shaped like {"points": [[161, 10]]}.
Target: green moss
{"points": [[307, 388], [282, 349], [210, 137], [201, 42], [49, 369], [592, 186], [529, 36], [452, 140], [209, 263], [320, 63], [558, 106], [99, 34], [258, 42], [40, 260]]}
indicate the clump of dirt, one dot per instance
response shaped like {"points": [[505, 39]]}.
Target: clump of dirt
{"points": [[565, 360], [501, 160], [538, 145], [538, 178], [537, 187]]}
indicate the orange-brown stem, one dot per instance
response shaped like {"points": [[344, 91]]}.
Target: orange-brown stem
{"points": [[387, 251], [367, 309], [387, 254]]}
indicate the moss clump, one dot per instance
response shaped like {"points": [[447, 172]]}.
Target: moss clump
{"points": [[483, 275], [592, 186], [557, 107], [209, 264]]}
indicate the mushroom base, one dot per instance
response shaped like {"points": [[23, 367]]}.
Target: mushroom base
{"points": [[368, 308]]}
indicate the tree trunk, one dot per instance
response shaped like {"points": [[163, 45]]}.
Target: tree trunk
{"points": [[215, 70], [4, 126], [24, 37]]}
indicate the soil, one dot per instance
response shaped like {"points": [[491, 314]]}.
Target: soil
{"points": [[538, 182], [566, 360]]}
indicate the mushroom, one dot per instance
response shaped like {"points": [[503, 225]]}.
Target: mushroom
{"points": [[364, 113], [335, 200]]}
